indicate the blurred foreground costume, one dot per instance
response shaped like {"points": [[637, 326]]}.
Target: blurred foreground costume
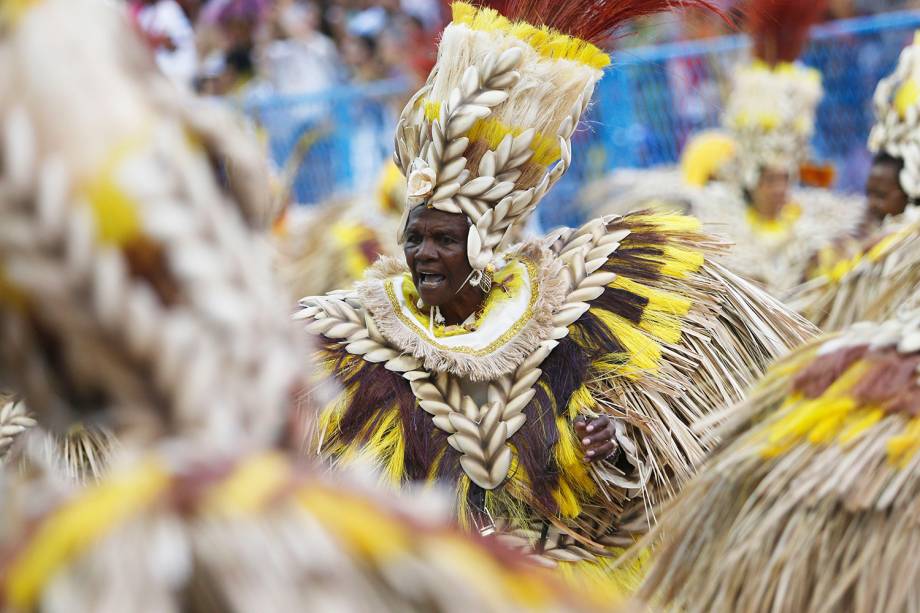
{"points": [[810, 503], [877, 277], [107, 150], [623, 317], [175, 335], [767, 126]]}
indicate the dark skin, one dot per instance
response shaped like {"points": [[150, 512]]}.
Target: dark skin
{"points": [[883, 191], [435, 250], [771, 193]]}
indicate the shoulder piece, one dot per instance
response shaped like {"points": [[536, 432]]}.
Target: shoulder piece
{"points": [[340, 317], [827, 215], [869, 286], [817, 469], [667, 336]]}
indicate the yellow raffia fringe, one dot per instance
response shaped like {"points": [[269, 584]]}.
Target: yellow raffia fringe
{"points": [[643, 354], [581, 403], [347, 518], [680, 263], [902, 448], [384, 540], [605, 579], [545, 149], [574, 480], [73, 528], [251, 486], [816, 420], [835, 270], [386, 448], [662, 315], [668, 222], [547, 42]]}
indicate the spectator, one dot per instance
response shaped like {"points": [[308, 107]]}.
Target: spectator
{"points": [[170, 33], [298, 58]]}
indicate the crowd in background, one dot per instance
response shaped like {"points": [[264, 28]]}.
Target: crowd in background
{"points": [[226, 47]]}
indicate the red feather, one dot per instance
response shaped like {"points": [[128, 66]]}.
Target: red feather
{"points": [[780, 27], [591, 20]]}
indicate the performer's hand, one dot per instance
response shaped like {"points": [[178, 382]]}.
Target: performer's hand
{"points": [[596, 437]]}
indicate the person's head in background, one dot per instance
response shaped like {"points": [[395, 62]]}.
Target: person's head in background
{"points": [[884, 194], [360, 55], [771, 193]]}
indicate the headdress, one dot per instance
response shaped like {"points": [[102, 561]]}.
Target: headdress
{"points": [[706, 156], [897, 110], [490, 132], [771, 109]]}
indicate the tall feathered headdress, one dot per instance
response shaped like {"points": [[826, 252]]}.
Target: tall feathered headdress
{"points": [[773, 101], [490, 132], [897, 110]]}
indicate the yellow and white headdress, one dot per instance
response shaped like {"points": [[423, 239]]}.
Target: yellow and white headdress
{"points": [[774, 98], [897, 110], [490, 132], [771, 116]]}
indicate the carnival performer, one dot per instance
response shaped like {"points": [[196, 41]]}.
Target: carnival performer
{"points": [[742, 181], [810, 504], [871, 280], [551, 384], [187, 354], [329, 246]]}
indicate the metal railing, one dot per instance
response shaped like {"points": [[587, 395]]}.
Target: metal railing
{"points": [[650, 101]]}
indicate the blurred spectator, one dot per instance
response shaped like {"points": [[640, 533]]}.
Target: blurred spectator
{"points": [[170, 34], [297, 58]]}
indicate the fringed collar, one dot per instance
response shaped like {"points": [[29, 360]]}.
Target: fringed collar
{"points": [[516, 316], [781, 225]]}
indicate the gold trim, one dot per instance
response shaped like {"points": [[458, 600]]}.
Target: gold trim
{"points": [[504, 338]]}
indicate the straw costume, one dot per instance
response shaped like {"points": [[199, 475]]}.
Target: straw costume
{"points": [[191, 360], [624, 317], [97, 154], [810, 503], [872, 281]]}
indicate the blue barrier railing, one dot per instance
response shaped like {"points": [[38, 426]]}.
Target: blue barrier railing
{"points": [[649, 103]]}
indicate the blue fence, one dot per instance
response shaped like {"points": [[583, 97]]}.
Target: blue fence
{"points": [[649, 103]]}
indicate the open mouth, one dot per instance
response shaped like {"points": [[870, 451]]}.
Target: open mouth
{"points": [[430, 279]]}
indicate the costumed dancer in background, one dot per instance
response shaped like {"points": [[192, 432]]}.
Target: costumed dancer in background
{"points": [[741, 181], [329, 246], [552, 384], [187, 353], [811, 502], [872, 280]]}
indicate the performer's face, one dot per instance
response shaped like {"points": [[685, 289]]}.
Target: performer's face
{"points": [[435, 248], [883, 191], [772, 191]]}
